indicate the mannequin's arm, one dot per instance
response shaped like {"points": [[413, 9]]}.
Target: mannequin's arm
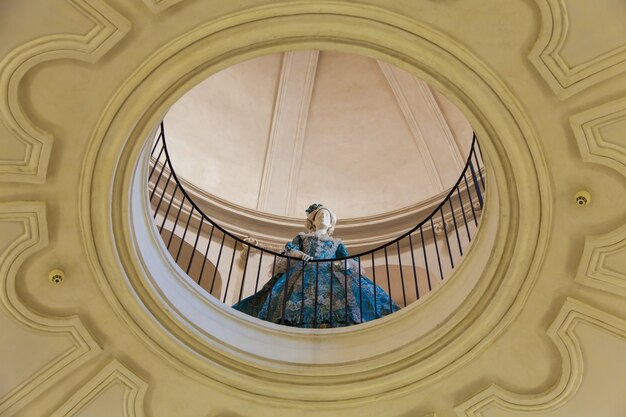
{"points": [[293, 249], [299, 254]]}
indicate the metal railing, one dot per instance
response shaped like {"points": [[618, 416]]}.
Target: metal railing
{"points": [[406, 268]]}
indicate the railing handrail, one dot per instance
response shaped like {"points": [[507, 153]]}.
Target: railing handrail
{"points": [[468, 165], [425, 249]]}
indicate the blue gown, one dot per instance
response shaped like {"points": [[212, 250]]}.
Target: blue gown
{"points": [[299, 293]]}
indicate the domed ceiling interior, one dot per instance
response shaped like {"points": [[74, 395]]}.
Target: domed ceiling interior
{"points": [[279, 132]]}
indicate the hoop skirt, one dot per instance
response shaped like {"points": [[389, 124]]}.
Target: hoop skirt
{"points": [[302, 294]]}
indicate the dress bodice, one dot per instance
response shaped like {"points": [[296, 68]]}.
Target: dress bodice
{"points": [[318, 246]]}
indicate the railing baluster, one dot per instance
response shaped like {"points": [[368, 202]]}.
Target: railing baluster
{"points": [[155, 165], [245, 268], [469, 195], [479, 194], [258, 273], [269, 296], [436, 248], [195, 245], [230, 270], [458, 192], [360, 289], [425, 260], [445, 233], [217, 264], [282, 318], [374, 280], [456, 227], [302, 297], [331, 293], [182, 240], [169, 206], [475, 141], [180, 208], [345, 285], [480, 174], [156, 143], [417, 290], [167, 183], [401, 273], [317, 277], [206, 253], [156, 183], [388, 280], [206, 256]]}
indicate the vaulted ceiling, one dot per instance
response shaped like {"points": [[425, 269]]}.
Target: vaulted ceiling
{"points": [[279, 132]]}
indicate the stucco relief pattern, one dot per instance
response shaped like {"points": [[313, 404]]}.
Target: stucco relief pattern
{"points": [[109, 27], [596, 146], [563, 333], [101, 394], [593, 269], [157, 6], [79, 344], [564, 78]]}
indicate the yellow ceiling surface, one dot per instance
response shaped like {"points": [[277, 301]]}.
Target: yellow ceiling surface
{"points": [[532, 323]]}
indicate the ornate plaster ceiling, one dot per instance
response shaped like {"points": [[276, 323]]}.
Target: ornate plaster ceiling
{"points": [[71, 349], [279, 132]]}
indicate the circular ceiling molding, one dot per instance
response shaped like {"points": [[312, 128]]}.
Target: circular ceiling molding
{"points": [[237, 352]]}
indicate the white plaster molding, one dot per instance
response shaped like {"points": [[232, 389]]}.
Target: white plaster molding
{"points": [[593, 146], [564, 79], [592, 270], [423, 153], [157, 6], [270, 150], [305, 104], [83, 347], [563, 334], [111, 375], [288, 127], [437, 114], [109, 28]]}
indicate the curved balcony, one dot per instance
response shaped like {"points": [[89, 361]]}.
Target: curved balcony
{"points": [[232, 265]]}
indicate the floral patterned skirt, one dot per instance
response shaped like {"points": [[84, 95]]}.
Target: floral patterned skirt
{"points": [[305, 296]]}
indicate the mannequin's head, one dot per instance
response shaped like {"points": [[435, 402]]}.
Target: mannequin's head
{"points": [[320, 217]]}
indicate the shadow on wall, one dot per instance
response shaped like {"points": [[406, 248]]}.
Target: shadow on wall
{"points": [[198, 266]]}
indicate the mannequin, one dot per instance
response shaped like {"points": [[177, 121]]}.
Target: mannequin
{"points": [[317, 293]]}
